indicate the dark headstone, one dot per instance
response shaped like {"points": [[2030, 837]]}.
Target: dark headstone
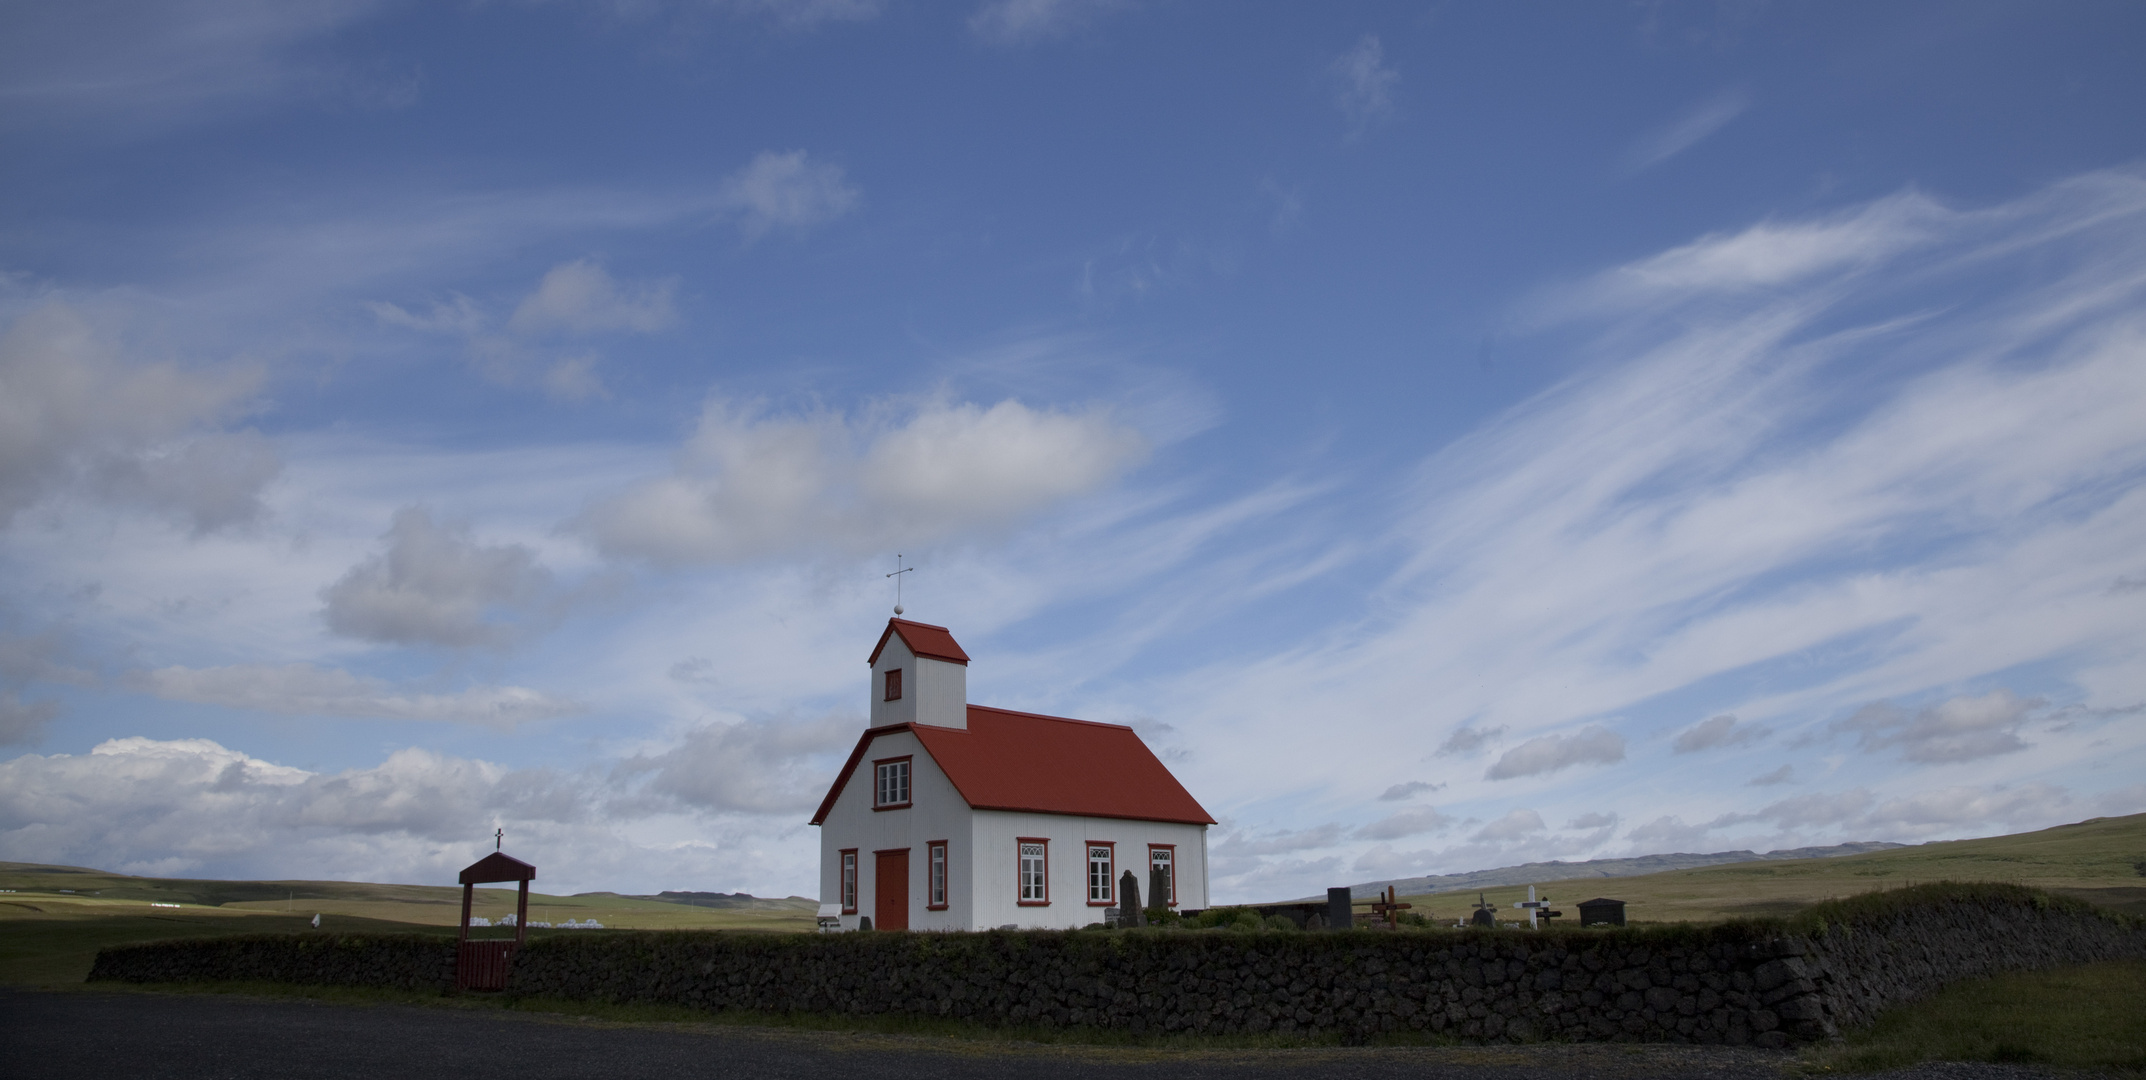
{"points": [[1131, 913], [864, 922], [1159, 887], [1339, 905], [1601, 911]]}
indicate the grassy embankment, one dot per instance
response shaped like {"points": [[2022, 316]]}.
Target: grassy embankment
{"points": [[54, 919], [2096, 861]]}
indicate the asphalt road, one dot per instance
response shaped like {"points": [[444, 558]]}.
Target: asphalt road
{"points": [[150, 1036]]}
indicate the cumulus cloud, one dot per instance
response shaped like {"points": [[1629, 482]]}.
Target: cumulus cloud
{"points": [[1514, 825], [79, 417], [1468, 740], [196, 808], [1243, 844], [1363, 84], [575, 299], [306, 690], [1402, 791], [1592, 821], [1405, 823], [23, 721], [434, 585], [1782, 775], [1016, 22], [1593, 744], [785, 190], [762, 766], [581, 297], [1957, 729], [1719, 731], [750, 484], [1685, 131]]}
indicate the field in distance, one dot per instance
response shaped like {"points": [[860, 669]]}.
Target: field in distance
{"points": [[2102, 861], [53, 919]]}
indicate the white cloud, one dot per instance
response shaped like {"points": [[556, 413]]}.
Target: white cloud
{"points": [[1957, 729], [1592, 821], [785, 190], [434, 585], [1406, 823], [1363, 84], [1784, 774], [1016, 22], [1719, 731], [768, 766], [1513, 826], [1468, 740], [78, 417], [192, 807], [581, 297], [22, 721], [1403, 791], [140, 65], [1685, 131], [1592, 745], [306, 690], [749, 484]]}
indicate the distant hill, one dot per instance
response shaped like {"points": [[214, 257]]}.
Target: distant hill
{"points": [[1536, 873], [719, 900]]}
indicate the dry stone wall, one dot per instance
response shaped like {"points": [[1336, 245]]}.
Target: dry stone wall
{"points": [[1755, 984], [394, 961]]}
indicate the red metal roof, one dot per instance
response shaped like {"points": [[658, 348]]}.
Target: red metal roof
{"points": [[497, 867], [923, 639], [1044, 765]]}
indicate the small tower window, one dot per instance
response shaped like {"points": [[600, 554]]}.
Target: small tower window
{"points": [[894, 684]]}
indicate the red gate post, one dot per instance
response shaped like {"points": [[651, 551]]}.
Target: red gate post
{"points": [[483, 965]]}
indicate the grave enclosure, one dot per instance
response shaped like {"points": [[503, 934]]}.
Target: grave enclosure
{"points": [[1742, 983]]}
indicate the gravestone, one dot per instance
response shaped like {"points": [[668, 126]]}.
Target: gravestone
{"points": [[1130, 912], [1159, 887], [1340, 909]]}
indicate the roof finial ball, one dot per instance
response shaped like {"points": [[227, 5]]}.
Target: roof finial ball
{"points": [[899, 570]]}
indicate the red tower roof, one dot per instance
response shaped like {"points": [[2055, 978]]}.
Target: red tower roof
{"points": [[923, 639], [1044, 765]]}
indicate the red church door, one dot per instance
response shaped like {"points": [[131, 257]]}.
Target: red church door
{"points": [[890, 890]]}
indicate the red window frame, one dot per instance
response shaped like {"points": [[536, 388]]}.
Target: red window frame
{"points": [[894, 684], [1087, 877], [938, 875], [846, 878], [908, 788], [1172, 849], [1018, 842]]}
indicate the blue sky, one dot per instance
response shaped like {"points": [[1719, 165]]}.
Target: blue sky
{"points": [[1454, 434]]}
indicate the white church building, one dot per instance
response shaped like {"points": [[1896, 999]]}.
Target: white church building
{"points": [[952, 816]]}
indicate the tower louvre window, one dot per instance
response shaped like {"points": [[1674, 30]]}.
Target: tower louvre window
{"points": [[894, 684]]}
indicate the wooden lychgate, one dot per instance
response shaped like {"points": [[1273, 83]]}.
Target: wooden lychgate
{"points": [[482, 965]]}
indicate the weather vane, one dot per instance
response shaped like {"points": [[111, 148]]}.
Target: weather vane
{"points": [[899, 570]]}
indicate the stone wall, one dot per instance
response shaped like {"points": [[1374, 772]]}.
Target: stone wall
{"points": [[397, 961], [1765, 984]]}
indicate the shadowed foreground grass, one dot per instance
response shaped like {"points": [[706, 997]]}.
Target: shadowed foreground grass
{"points": [[2092, 1016]]}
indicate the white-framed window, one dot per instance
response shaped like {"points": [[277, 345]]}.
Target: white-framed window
{"points": [[1163, 861], [849, 882], [1034, 872], [1099, 873], [938, 874], [890, 783]]}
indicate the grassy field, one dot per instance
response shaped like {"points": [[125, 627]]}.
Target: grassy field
{"points": [[2096, 861], [2086, 1017], [54, 919]]}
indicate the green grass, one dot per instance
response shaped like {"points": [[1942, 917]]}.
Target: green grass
{"points": [[2096, 861], [59, 949], [2088, 1017]]}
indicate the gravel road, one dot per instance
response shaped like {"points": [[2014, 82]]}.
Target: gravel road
{"points": [[150, 1036]]}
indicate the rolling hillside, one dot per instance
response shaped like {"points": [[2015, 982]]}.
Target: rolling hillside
{"points": [[2098, 861]]}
